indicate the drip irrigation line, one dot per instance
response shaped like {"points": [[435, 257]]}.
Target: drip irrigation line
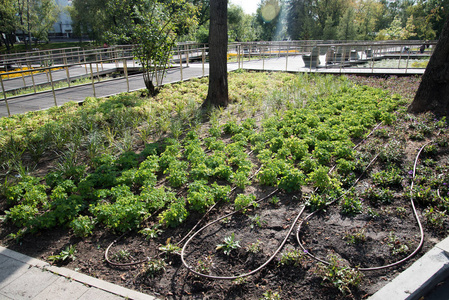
{"points": [[415, 213], [189, 268], [106, 253]]}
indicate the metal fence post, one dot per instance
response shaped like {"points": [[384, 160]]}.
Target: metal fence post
{"points": [[203, 58], [52, 86], [4, 96], [92, 78], [125, 68], [180, 61]]}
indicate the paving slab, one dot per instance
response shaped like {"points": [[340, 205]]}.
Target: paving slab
{"points": [[24, 277]]}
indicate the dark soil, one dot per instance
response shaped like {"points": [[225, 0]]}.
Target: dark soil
{"points": [[325, 234]]}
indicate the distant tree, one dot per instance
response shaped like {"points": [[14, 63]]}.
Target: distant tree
{"points": [[330, 30], [217, 94], [8, 22], [45, 14], [268, 17], [89, 18], [433, 91], [346, 28]]}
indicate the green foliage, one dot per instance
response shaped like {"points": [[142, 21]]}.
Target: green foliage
{"points": [[396, 246], [291, 258], [66, 255], [342, 277], [378, 195], [154, 267], [351, 204], [242, 202], [356, 236], [229, 244], [175, 214], [292, 180], [125, 213], [385, 178], [199, 195], [82, 226]]}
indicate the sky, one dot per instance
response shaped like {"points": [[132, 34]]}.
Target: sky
{"points": [[249, 6]]}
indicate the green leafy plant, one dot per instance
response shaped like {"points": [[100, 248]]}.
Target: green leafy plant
{"points": [[229, 244], [154, 267], [271, 295], [151, 233], [291, 257], [203, 266], [356, 236], [170, 248], [82, 226], [254, 247], [256, 220], [242, 202], [66, 255], [396, 246], [338, 275]]}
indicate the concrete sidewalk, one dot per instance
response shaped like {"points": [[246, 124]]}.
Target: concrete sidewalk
{"points": [[23, 277]]}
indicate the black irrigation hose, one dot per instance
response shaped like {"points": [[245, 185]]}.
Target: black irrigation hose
{"points": [[245, 274], [414, 212]]}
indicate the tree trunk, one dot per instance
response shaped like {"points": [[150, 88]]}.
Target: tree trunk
{"points": [[217, 94], [433, 91]]}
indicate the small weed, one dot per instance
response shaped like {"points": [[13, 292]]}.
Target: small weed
{"points": [[340, 276], [271, 295], [401, 212], [229, 244], [204, 266], [257, 221], [254, 247], [291, 257], [154, 267], [151, 233], [395, 245], [434, 217], [239, 281], [65, 256], [122, 255], [170, 248], [356, 236], [274, 200]]}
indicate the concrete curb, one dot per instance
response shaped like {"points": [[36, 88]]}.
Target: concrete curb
{"points": [[420, 278]]}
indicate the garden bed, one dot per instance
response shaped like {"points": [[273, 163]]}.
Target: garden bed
{"points": [[132, 176]]}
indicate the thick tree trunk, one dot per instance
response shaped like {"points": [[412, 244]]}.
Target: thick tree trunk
{"points": [[433, 92], [217, 94]]}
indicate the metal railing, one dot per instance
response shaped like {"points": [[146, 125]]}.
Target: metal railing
{"points": [[311, 56]]}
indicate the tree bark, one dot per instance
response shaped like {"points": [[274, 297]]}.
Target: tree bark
{"points": [[433, 91], [217, 94]]}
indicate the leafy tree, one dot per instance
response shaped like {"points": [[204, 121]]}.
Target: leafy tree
{"points": [[268, 18], [240, 25], [396, 31], [88, 17], [45, 14], [346, 27], [155, 33], [8, 22], [368, 15], [36, 17]]}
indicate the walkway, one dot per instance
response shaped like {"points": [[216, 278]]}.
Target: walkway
{"points": [[45, 100], [23, 277]]}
